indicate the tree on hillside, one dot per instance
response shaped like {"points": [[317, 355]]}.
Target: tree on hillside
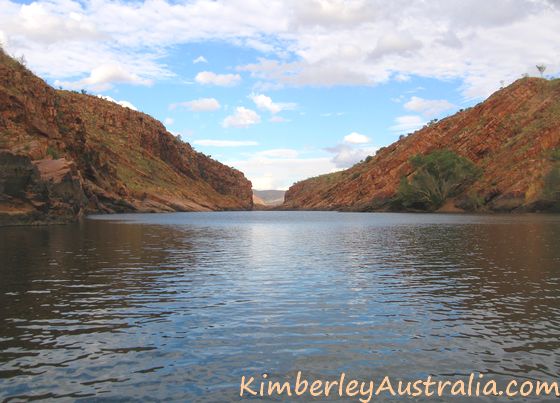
{"points": [[552, 184], [437, 176], [21, 60], [551, 190], [541, 68]]}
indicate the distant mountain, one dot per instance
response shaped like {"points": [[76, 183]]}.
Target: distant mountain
{"points": [[268, 197], [513, 136], [63, 154]]}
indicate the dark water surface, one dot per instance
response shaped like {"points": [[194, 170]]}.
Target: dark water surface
{"points": [[178, 307]]}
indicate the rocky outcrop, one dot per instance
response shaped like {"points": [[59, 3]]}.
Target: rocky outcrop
{"points": [[65, 153], [39, 191], [511, 136]]}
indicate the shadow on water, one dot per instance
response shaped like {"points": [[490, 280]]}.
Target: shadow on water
{"points": [[178, 307]]}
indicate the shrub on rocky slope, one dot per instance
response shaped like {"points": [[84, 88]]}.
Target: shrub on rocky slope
{"points": [[510, 136], [106, 157]]}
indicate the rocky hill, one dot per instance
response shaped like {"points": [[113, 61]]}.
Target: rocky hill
{"points": [[63, 154], [268, 197], [514, 136]]}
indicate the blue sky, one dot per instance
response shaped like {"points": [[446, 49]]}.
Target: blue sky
{"points": [[284, 90]]}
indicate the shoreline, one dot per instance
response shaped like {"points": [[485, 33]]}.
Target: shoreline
{"points": [[439, 213]]}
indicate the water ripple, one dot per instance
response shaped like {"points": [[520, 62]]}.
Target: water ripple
{"points": [[177, 307]]}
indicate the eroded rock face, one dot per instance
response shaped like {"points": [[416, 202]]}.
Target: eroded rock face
{"points": [[40, 191], [510, 136], [63, 149]]}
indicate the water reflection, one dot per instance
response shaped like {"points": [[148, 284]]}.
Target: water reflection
{"points": [[178, 307]]}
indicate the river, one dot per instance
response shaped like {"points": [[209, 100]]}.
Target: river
{"points": [[178, 307]]}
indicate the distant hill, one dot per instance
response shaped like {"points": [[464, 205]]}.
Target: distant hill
{"points": [[268, 197], [513, 136], [63, 154]]}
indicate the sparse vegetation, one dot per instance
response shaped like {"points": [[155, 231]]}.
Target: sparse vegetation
{"points": [[124, 153], [472, 202], [437, 177], [541, 68], [21, 60], [551, 189], [53, 153], [12, 60]]}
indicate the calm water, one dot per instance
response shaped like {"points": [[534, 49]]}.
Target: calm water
{"points": [[178, 307]]}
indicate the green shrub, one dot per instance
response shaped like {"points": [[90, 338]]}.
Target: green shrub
{"points": [[436, 177], [53, 152], [471, 202], [551, 188]]}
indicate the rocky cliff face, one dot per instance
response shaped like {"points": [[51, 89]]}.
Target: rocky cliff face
{"points": [[513, 136], [63, 154]]}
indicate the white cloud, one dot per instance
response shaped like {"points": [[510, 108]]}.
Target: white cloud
{"points": [[103, 77], [168, 121], [407, 124], [126, 104], [242, 117], [3, 40], [334, 13], [317, 42], [428, 107], [326, 72], [394, 43], [264, 102], [281, 173], [200, 59], [347, 155], [259, 45], [199, 105], [41, 22], [429, 40], [402, 77], [329, 114], [279, 153], [221, 80], [278, 119], [224, 143], [356, 138]]}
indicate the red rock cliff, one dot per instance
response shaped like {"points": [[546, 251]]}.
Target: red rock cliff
{"points": [[511, 136], [63, 154]]}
